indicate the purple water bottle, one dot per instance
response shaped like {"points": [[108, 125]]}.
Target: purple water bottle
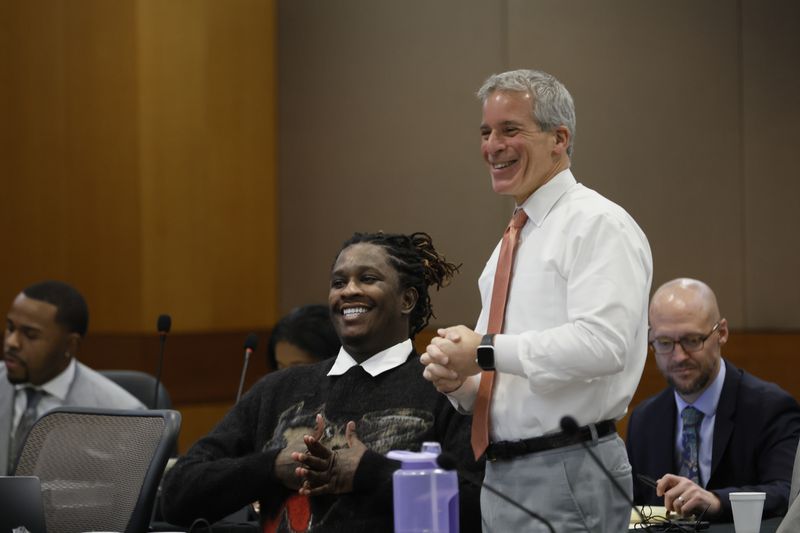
{"points": [[425, 496]]}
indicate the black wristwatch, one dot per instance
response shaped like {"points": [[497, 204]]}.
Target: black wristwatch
{"points": [[485, 357]]}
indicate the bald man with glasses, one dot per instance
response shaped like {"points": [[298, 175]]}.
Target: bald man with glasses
{"points": [[715, 429]]}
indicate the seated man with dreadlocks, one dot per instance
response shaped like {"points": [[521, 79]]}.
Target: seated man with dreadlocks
{"points": [[319, 433]]}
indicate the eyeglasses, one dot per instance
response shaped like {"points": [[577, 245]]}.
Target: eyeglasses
{"points": [[689, 343]]}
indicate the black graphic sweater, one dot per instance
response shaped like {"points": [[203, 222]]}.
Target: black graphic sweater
{"points": [[396, 410]]}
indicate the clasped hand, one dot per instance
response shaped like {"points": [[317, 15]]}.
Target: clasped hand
{"points": [[450, 358], [322, 470]]}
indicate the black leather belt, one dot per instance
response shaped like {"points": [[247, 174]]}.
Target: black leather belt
{"points": [[505, 450]]}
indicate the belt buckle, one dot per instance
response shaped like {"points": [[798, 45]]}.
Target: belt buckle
{"points": [[490, 456]]}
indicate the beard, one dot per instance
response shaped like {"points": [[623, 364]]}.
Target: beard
{"points": [[694, 386], [21, 375]]}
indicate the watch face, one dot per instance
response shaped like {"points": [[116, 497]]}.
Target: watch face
{"points": [[486, 357]]}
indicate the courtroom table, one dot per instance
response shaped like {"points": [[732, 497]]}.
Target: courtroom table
{"points": [[217, 527], [767, 526]]}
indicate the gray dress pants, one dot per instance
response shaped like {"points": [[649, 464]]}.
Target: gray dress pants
{"points": [[565, 486]]}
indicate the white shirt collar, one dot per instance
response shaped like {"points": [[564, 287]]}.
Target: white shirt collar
{"points": [[57, 387], [538, 204], [377, 364]]}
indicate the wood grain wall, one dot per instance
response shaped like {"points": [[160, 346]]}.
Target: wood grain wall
{"points": [[144, 156], [201, 370], [686, 116], [138, 158]]}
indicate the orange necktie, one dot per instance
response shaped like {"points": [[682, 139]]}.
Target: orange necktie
{"points": [[497, 311]]}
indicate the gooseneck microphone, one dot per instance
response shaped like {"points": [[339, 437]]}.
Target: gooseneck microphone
{"points": [[448, 462], [163, 324], [570, 426], [250, 344]]}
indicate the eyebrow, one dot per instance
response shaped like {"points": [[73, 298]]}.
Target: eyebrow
{"points": [[22, 327], [505, 123], [359, 269], [681, 336]]}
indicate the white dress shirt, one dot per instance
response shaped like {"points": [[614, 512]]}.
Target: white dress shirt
{"points": [[56, 389], [575, 335]]}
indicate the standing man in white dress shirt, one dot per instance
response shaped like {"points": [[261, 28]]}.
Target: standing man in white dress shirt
{"points": [[573, 340], [44, 330]]}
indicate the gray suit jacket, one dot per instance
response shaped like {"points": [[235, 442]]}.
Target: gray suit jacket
{"points": [[791, 522], [88, 389]]}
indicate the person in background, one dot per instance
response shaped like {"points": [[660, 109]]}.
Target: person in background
{"points": [[791, 522], [322, 430], [715, 429], [571, 336], [45, 327], [302, 337]]}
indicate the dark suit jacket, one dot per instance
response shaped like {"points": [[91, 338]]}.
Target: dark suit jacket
{"points": [[756, 434]]}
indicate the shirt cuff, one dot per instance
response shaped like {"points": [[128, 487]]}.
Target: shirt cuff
{"points": [[464, 397], [506, 355]]}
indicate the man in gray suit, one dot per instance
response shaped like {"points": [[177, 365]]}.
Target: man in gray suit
{"points": [[44, 329]]}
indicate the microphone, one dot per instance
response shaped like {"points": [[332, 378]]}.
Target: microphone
{"points": [[570, 426], [448, 462], [163, 324], [250, 344]]}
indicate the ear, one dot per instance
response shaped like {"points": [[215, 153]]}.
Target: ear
{"points": [[723, 331], [409, 300], [73, 344], [562, 138]]}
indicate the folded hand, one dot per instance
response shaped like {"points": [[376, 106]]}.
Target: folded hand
{"points": [[326, 471]]}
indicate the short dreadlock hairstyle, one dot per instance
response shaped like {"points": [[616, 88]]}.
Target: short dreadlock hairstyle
{"points": [[418, 265]]}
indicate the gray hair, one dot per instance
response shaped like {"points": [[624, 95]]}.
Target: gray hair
{"points": [[552, 103]]}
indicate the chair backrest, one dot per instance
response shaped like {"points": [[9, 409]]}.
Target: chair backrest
{"points": [[99, 468], [141, 385]]}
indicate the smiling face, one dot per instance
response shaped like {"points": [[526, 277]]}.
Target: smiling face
{"points": [[35, 345], [520, 156], [369, 308]]}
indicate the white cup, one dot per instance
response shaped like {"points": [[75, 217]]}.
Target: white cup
{"points": [[747, 508]]}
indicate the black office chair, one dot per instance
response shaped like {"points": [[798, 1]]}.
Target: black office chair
{"points": [[99, 468], [141, 385]]}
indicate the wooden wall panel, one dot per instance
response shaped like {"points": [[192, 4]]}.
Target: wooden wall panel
{"points": [[686, 117], [138, 158], [68, 157], [138, 147], [379, 130], [207, 122], [201, 371]]}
